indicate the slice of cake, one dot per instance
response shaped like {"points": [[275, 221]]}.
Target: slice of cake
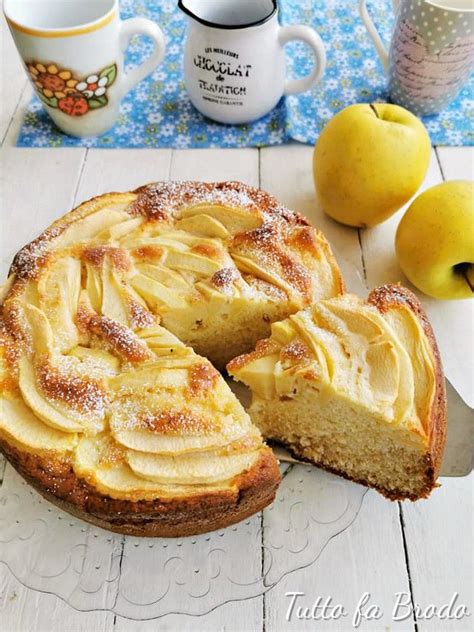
{"points": [[356, 387]]}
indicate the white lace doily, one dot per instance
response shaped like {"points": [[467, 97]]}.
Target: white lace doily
{"points": [[143, 578]]}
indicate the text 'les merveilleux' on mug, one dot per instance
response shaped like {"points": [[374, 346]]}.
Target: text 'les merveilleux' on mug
{"points": [[234, 61]]}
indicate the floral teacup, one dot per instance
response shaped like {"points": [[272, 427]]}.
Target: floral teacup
{"points": [[73, 52]]}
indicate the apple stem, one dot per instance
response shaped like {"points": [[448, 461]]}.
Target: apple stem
{"points": [[374, 109], [465, 274]]}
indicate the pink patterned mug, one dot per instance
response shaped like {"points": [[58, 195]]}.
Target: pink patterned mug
{"points": [[431, 53]]}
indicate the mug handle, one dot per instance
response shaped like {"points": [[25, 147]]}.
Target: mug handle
{"points": [[310, 37], [372, 31], [141, 26]]}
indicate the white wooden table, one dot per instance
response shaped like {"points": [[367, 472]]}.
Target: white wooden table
{"points": [[424, 549]]}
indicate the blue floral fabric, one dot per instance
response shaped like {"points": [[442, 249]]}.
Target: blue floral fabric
{"points": [[158, 113]]}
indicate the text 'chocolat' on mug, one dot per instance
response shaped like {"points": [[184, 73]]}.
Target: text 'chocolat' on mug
{"points": [[234, 61]]}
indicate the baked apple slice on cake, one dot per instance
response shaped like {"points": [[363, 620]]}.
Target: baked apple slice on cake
{"points": [[356, 387]]}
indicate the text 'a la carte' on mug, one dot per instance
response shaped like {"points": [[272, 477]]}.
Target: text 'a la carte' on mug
{"points": [[431, 53], [73, 51], [234, 61]]}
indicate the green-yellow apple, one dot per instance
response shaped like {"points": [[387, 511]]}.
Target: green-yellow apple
{"points": [[435, 241], [369, 161]]}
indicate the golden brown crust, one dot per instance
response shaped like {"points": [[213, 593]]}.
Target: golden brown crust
{"points": [[120, 338], [29, 260], [262, 348], [55, 480], [224, 278], [388, 297], [202, 378], [82, 394], [95, 255], [294, 352], [161, 200], [179, 423]]}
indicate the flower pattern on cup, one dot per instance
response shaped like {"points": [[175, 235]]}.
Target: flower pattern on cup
{"points": [[51, 82], [93, 86], [300, 117], [59, 88]]}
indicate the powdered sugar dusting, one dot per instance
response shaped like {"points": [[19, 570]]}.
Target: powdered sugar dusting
{"points": [[29, 259], [177, 421], [122, 339], [267, 246], [224, 279], [84, 395], [140, 318], [164, 200]]}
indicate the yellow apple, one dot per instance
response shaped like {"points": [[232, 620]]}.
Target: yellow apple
{"points": [[369, 161], [435, 241]]}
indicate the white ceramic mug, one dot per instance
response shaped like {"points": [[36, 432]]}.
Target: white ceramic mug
{"points": [[431, 52], [234, 61], [73, 51]]}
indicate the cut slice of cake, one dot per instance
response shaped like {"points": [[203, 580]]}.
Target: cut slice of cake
{"points": [[355, 387]]}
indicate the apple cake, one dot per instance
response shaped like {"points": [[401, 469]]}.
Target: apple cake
{"points": [[355, 387], [108, 406]]}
